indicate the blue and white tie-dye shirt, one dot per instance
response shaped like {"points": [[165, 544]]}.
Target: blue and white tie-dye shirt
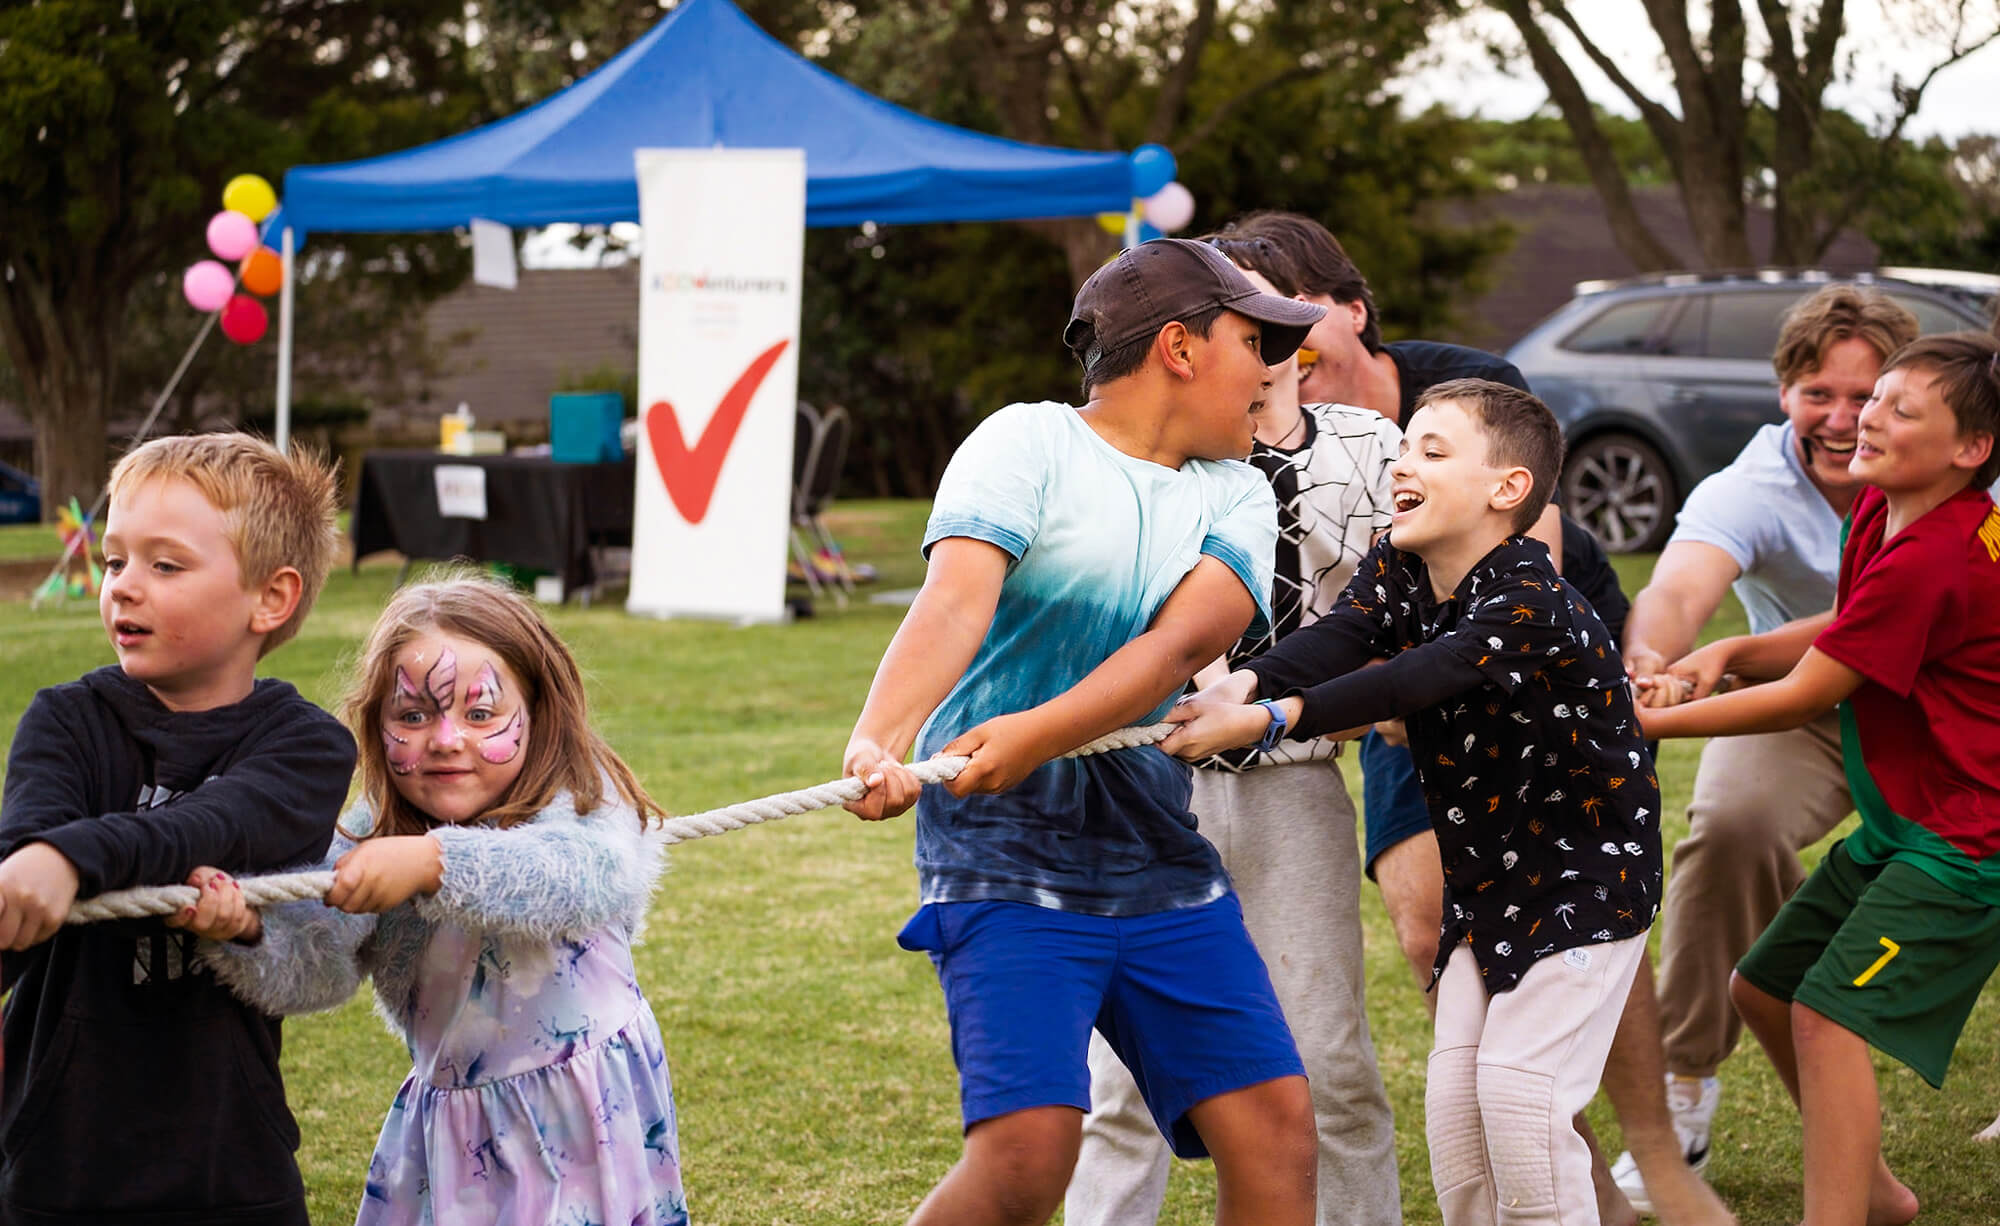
{"points": [[1099, 540]]}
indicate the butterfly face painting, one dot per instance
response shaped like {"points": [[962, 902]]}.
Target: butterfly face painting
{"points": [[453, 747]]}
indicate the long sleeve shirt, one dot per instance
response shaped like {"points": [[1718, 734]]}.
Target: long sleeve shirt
{"points": [[1545, 802]]}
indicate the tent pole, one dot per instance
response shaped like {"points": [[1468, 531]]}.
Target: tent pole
{"points": [[284, 413]]}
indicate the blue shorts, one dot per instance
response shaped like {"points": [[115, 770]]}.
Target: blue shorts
{"points": [[1182, 997], [1392, 801]]}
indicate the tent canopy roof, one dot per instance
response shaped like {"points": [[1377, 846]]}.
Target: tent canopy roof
{"points": [[706, 75]]}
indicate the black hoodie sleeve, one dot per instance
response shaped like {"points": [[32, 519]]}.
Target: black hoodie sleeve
{"points": [[272, 807], [48, 775], [1424, 676]]}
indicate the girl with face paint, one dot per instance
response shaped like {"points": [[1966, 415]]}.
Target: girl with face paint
{"points": [[490, 881]]}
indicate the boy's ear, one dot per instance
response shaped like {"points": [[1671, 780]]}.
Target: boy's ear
{"points": [[277, 598], [1515, 485], [1174, 344], [1973, 449]]}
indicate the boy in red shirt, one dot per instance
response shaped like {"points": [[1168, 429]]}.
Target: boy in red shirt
{"points": [[1892, 938]]}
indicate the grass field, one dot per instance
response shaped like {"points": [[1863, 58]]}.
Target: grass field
{"points": [[810, 1055]]}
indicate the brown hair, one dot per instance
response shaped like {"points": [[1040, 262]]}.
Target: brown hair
{"points": [[564, 753], [1965, 369], [278, 510], [1260, 255], [1834, 314], [1320, 265], [1519, 430]]}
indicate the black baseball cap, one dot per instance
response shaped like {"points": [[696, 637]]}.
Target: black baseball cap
{"points": [[1149, 286]]}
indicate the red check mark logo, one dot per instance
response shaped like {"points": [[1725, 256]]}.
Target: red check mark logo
{"points": [[690, 475]]}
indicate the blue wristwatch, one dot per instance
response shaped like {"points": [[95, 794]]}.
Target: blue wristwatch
{"points": [[1276, 732]]}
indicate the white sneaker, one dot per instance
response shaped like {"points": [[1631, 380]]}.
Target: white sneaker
{"points": [[1692, 1103]]}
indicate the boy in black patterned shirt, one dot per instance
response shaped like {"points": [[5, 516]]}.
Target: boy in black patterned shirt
{"points": [[1539, 785]]}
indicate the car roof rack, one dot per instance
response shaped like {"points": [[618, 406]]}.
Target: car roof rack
{"points": [[1965, 284]]}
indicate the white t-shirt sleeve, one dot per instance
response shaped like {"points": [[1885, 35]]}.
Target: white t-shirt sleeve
{"points": [[992, 489], [1726, 511]]}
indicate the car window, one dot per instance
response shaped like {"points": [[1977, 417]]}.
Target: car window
{"points": [[1684, 336], [1931, 316], [1623, 327], [1745, 325]]}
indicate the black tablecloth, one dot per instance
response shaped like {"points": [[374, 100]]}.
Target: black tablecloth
{"points": [[540, 515]]}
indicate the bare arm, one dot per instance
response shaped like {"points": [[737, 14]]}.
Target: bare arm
{"points": [[1667, 615], [1207, 612], [1808, 691], [930, 652]]}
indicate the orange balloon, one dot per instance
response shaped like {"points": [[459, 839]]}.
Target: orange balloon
{"points": [[263, 272]]}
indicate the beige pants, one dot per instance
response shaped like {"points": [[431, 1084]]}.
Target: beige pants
{"points": [[1286, 834], [1507, 1075], [1758, 801]]}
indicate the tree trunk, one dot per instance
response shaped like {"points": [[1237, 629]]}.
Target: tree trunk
{"points": [[70, 454], [63, 352]]}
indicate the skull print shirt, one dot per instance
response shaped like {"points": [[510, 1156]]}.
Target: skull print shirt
{"points": [[1544, 798]]}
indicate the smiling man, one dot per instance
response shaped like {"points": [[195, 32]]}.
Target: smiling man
{"points": [[1770, 525]]}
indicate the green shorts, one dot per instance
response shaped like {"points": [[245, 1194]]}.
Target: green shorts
{"points": [[1882, 950]]}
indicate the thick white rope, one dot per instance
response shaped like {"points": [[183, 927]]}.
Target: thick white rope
{"points": [[294, 887]]}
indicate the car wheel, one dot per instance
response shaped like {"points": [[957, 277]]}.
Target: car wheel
{"points": [[1619, 487]]}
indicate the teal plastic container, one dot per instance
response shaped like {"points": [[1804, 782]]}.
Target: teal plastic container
{"points": [[583, 427]]}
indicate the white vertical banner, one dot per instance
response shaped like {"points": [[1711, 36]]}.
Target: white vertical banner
{"points": [[719, 294]]}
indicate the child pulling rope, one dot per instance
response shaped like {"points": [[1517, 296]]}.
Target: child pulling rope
{"points": [[295, 887]]}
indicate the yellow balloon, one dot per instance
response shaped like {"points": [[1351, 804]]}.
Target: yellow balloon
{"points": [[1112, 223], [251, 196]]}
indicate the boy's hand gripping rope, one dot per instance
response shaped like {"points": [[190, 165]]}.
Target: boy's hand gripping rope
{"points": [[294, 887]]}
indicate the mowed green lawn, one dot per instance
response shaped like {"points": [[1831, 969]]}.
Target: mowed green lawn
{"points": [[810, 1054]]}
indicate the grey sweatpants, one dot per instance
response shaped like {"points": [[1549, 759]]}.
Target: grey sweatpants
{"points": [[1286, 834]]}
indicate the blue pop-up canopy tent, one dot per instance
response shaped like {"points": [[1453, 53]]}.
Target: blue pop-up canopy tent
{"points": [[706, 75]]}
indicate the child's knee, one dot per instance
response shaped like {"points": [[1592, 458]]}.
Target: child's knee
{"points": [[1522, 1123], [1753, 1004], [1024, 1159], [1451, 1117]]}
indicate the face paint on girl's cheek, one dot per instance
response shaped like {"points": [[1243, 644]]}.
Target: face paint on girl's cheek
{"points": [[441, 683], [502, 747], [485, 689], [401, 763]]}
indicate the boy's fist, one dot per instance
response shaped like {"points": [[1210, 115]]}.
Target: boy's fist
{"points": [[37, 885], [1004, 750], [220, 914], [892, 787]]}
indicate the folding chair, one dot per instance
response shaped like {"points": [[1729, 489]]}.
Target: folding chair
{"points": [[807, 432]]}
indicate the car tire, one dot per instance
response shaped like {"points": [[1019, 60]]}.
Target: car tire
{"points": [[1619, 487]]}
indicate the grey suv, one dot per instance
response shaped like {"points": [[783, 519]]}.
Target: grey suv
{"points": [[1660, 380]]}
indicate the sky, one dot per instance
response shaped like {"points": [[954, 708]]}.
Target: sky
{"points": [[1959, 102]]}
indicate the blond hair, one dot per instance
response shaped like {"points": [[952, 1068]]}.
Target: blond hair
{"points": [[1834, 314], [564, 752], [278, 510]]}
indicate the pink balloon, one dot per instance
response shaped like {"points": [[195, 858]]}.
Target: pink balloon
{"points": [[231, 235], [1171, 208], [208, 285]]}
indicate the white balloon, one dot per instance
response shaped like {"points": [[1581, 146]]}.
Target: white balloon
{"points": [[1171, 208]]}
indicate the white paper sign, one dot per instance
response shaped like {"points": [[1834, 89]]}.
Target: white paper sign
{"points": [[461, 491], [719, 298], [493, 255]]}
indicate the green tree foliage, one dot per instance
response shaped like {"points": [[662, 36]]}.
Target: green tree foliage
{"points": [[120, 120]]}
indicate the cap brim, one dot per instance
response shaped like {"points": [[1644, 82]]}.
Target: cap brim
{"points": [[1285, 322]]}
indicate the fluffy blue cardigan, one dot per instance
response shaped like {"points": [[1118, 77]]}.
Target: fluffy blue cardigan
{"points": [[559, 877]]}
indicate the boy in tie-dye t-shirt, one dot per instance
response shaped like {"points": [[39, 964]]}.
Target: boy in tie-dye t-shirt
{"points": [[1083, 564]]}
